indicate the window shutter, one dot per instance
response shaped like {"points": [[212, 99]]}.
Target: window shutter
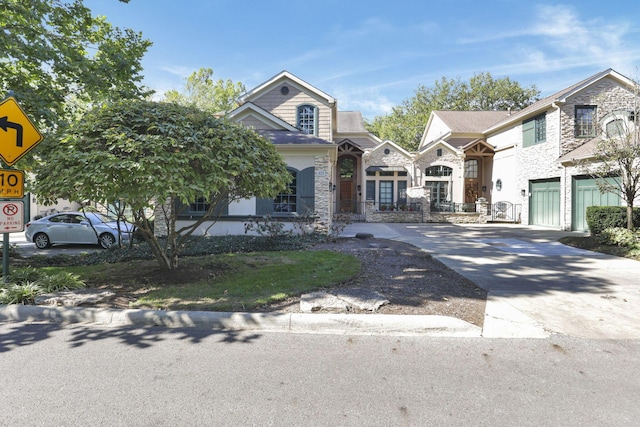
{"points": [[306, 190], [528, 133], [371, 190], [264, 206]]}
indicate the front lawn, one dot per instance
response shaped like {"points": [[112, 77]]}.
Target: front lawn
{"points": [[221, 282]]}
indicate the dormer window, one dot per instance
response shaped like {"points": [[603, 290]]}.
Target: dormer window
{"points": [[618, 124], [307, 119]]}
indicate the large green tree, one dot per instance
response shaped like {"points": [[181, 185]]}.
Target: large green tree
{"points": [[56, 56], [150, 155], [406, 122], [205, 93]]}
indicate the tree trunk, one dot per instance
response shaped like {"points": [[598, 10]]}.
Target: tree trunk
{"points": [[630, 216]]}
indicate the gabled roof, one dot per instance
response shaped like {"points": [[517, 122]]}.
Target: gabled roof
{"points": [[362, 143], [470, 121], [294, 80], [559, 98], [441, 142], [394, 145], [250, 109]]}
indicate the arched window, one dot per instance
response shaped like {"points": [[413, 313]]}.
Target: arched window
{"points": [[347, 167], [438, 171], [307, 117]]}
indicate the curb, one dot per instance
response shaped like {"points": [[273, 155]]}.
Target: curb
{"points": [[352, 324]]}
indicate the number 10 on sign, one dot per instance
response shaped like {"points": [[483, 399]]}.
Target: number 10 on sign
{"points": [[11, 184]]}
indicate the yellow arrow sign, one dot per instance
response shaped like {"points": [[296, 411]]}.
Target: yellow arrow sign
{"points": [[17, 134]]}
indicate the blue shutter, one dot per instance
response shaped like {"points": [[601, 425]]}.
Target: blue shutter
{"points": [[306, 190], [264, 206]]}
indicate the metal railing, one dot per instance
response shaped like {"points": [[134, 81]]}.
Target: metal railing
{"points": [[452, 207]]}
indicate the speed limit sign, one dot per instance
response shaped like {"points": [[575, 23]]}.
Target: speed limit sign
{"points": [[11, 184]]}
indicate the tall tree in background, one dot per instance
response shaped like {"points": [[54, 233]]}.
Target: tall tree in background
{"points": [[212, 96], [405, 124], [55, 56]]}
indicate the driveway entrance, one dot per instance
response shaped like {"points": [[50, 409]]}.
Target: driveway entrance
{"points": [[536, 285]]}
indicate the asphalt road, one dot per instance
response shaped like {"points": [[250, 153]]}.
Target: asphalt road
{"points": [[76, 375]]}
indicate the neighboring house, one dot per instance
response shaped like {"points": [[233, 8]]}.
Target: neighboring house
{"points": [[526, 163], [552, 188]]}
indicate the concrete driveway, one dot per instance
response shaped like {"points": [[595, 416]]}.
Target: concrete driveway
{"points": [[536, 285]]}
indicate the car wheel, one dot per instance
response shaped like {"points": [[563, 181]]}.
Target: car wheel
{"points": [[107, 240], [41, 241]]}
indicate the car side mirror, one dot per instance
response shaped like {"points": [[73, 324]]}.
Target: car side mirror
{"points": [[84, 223]]}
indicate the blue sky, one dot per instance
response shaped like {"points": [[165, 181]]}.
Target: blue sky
{"points": [[372, 55]]}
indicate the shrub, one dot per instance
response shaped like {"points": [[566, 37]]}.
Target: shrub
{"points": [[25, 275], [600, 218], [619, 237], [60, 281], [24, 293]]}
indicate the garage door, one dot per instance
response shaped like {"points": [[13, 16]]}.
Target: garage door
{"points": [[585, 193], [544, 203]]}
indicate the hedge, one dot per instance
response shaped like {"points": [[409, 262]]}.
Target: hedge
{"points": [[600, 218]]}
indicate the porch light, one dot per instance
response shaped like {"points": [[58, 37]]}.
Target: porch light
{"points": [[523, 193]]}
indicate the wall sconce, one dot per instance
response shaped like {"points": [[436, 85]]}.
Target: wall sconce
{"points": [[523, 193], [359, 187], [332, 187], [484, 188]]}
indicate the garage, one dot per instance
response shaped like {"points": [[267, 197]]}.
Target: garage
{"points": [[585, 193], [544, 202]]}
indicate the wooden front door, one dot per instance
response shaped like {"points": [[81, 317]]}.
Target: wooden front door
{"points": [[347, 196]]}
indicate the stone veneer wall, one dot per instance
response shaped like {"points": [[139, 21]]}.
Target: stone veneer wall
{"points": [[323, 195], [607, 95], [394, 158], [481, 215]]}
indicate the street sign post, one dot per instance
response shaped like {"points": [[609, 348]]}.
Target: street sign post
{"points": [[17, 134], [11, 217], [11, 184]]}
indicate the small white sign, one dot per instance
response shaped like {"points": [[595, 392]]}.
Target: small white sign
{"points": [[11, 217]]}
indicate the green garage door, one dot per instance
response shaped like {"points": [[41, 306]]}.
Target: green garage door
{"points": [[544, 203], [586, 193]]}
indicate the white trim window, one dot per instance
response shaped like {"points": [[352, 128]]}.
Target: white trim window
{"points": [[307, 119]]}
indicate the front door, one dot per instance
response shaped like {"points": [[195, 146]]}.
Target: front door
{"points": [[348, 199], [471, 180]]}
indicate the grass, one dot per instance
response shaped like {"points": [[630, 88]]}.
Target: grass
{"points": [[221, 282]]}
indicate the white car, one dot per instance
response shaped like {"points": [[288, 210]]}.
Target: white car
{"points": [[77, 228]]}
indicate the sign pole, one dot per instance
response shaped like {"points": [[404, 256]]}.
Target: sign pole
{"points": [[5, 257]]}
